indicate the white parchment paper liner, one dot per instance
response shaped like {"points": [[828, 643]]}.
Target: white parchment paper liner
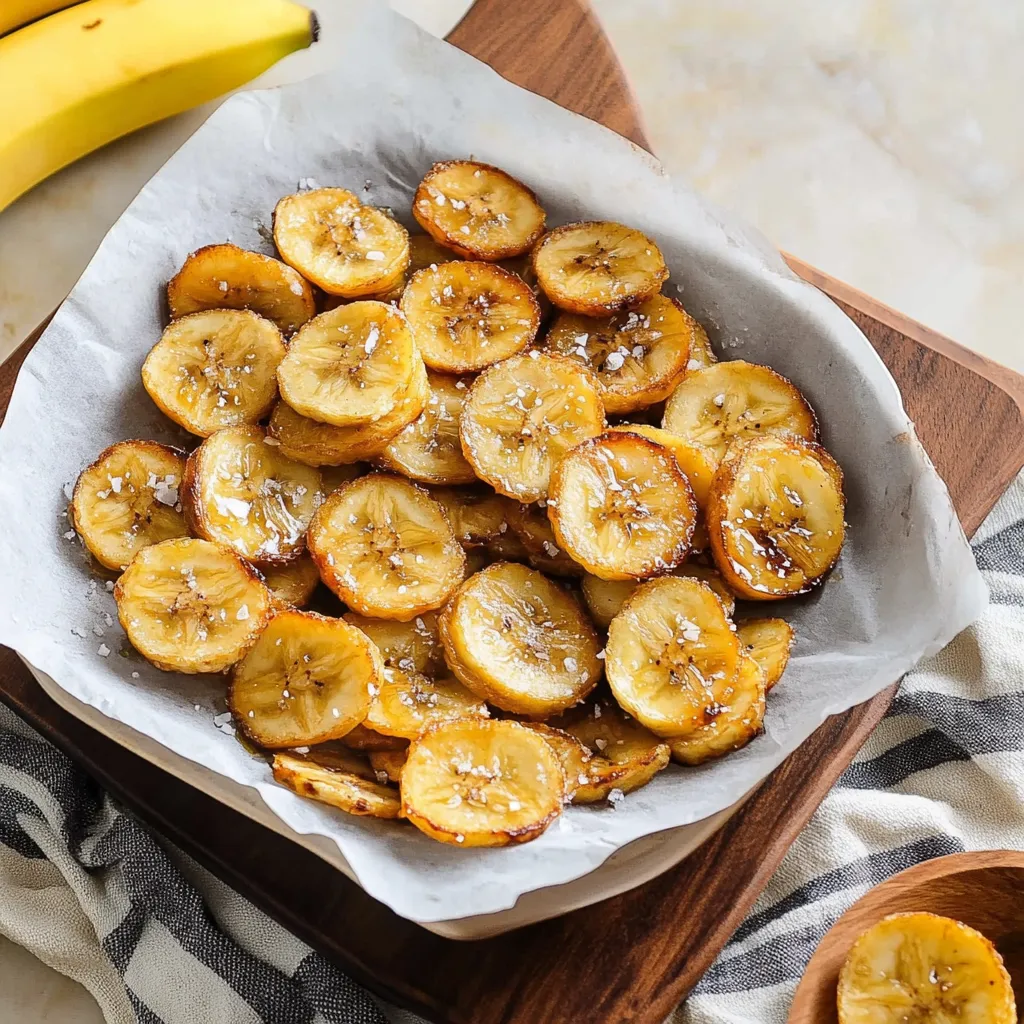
{"points": [[397, 101]]}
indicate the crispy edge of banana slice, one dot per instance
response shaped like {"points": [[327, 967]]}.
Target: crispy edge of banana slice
{"points": [[101, 481], [250, 616], [347, 792], [476, 513], [291, 585], [412, 646], [701, 352], [321, 444], [730, 519], [223, 276], [564, 246], [448, 756], [406, 703], [862, 966], [559, 665], [430, 199], [388, 764], [715, 393], [574, 394], [734, 724], [632, 472], [474, 301], [366, 740], [407, 595], [768, 642], [332, 271], [296, 494], [698, 642], [531, 525], [167, 378]]}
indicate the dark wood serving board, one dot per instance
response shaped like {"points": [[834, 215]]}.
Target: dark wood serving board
{"points": [[634, 957]]}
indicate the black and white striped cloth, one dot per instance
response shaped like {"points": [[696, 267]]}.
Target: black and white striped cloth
{"points": [[158, 940]]}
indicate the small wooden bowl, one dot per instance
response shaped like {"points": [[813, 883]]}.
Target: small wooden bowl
{"points": [[984, 890]]}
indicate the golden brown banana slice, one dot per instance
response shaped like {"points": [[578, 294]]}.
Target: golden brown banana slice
{"points": [[307, 680], [191, 606], [531, 525], [597, 268], [385, 548], [477, 515], [365, 740], [735, 401], [291, 585], [479, 782], [334, 476], [522, 266], [226, 277], [477, 210], [428, 450], [520, 641], [334, 754], [346, 248], [407, 703], [425, 252], [413, 646], [244, 493], [128, 499], [507, 547], [467, 315], [621, 507], [638, 356], [671, 656], [215, 369], [768, 642], [344, 790], [321, 444], [349, 366], [522, 416], [622, 754], [701, 352], [388, 764], [775, 517], [735, 719], [927, 968]]}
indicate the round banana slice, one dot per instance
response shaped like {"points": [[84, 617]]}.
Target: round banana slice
{"points": [[365, 740], [466, 316], [701, 352], [735, 401], [733, 721], [346, 248], [621, 507], [226, 277], [597, 268], [923, 967], [477, 515], [307, 680], [522, 266], [128, 499], [531, 525], [191, 606], [320, 444], [425, 252], [344, 790], [477, 210], [638, 355], [407, 703], [522, 416], [291, 585], [413, 646], [768, 642], [388, 764], [672, 654], [215, 369], [428, 449], [520, 641], [620, 753], [775, 517], [349, 366], [244, 493], [507, 547], [478, 782], [385, 548]]}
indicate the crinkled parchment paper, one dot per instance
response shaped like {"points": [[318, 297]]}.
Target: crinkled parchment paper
{"points": [[397, 101]]}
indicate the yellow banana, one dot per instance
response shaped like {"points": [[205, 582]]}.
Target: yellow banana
{"points": [[89, 74], [15, 13]]}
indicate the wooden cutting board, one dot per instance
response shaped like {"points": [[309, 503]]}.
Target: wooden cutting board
{"points": [[634, 957]]}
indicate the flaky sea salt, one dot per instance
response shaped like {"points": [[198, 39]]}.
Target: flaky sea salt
{"points": [[103, 651]]}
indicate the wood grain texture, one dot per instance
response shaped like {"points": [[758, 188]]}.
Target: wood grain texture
{"points": [[635, 956], [984, 890]]}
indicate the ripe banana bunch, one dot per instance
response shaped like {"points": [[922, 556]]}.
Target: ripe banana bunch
{"points": [[74, 81]]}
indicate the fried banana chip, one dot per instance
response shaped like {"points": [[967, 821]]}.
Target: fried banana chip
{"points": [[365, 740], [531, 525], [291, 585], [413, 646], [388, 764], [407, 703], [477, 515], [344, 790], [768, 642]]}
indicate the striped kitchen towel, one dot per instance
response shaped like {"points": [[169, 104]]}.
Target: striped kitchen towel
{"points": [[157, 940]]}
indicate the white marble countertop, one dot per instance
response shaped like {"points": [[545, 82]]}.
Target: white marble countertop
{"points": [[873, 138]]}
